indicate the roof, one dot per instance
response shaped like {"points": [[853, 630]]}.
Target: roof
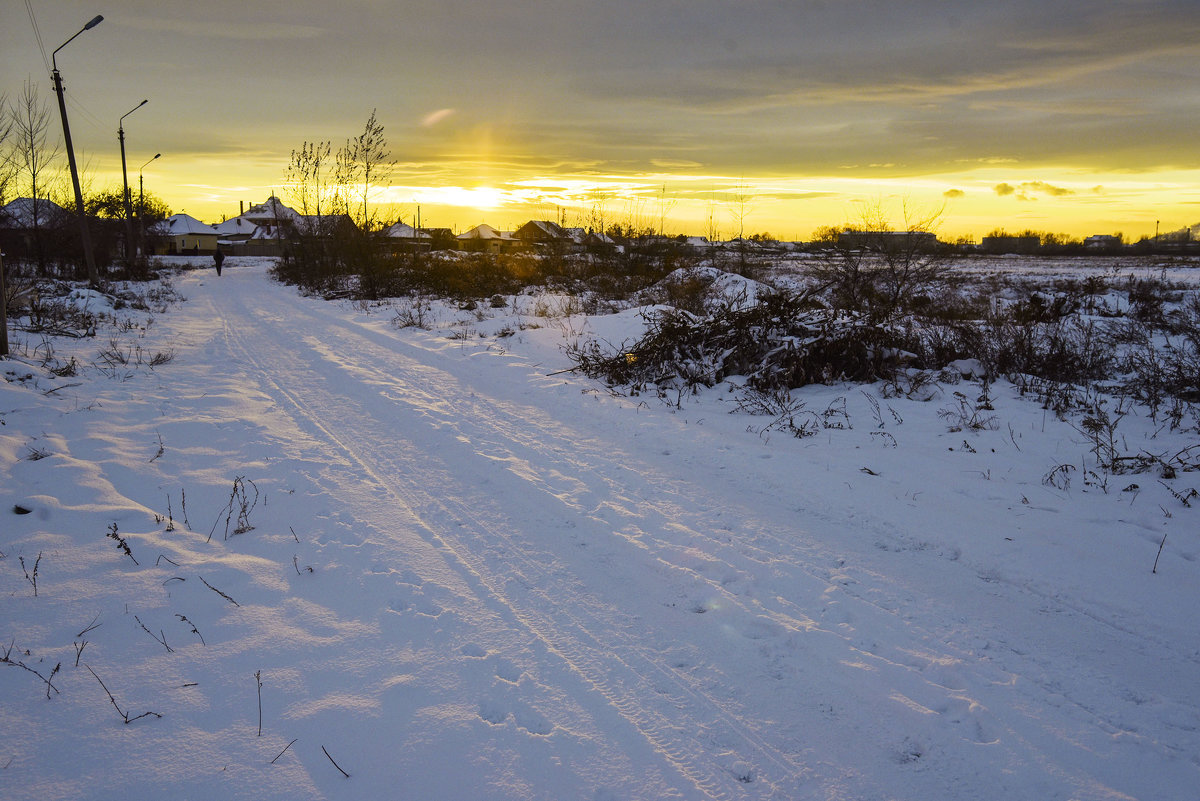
{"points": [[236, 226], [267, 232], [485, 231], [547, 229], [184, 224], [404, 231], [19, 212], [269, 212]]}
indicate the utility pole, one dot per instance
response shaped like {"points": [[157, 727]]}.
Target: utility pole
{"points": [[85, 235], [142, 208], [125, 180], [3, 312]]}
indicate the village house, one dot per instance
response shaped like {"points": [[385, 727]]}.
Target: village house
{"points": [[400, 237], [26, 225], [544, 234], [183, 234], [483, 238]]}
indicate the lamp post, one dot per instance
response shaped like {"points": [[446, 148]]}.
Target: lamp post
{"points": [[142, 208], [125, 179], [93, 277]]}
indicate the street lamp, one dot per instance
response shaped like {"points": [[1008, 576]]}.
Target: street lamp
{"points": [[142, 208], [93, 277], [125, 178]]}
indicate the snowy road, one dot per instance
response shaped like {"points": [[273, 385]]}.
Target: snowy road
{"points": [[526, 588]]}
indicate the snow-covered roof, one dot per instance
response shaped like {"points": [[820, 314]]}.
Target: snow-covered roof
{"points": [[181, 224], [596, 237], [266, 232], [19, 212], [269, 212], [405, 231], [236, 226], [551, 230], [485, 231]]}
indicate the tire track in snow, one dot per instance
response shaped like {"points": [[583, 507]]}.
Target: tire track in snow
{"points": [[557, 615], [596, 638], [649, 696]]}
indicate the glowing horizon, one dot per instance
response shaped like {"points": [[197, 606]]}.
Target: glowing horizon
{"points": [[972, 203], [1072, 117]]}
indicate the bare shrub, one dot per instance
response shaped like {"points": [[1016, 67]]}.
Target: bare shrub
{"points": [[969, 415], [787, 412], [784, 340], [882, 273], [1062, 348]]}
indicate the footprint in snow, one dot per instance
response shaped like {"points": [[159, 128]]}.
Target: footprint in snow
{"points": [[493, 712], [508, 672]]}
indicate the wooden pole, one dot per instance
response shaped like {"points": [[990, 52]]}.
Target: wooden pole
{"points": [[3, 311]]}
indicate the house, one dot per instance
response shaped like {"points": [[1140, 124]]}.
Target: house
{"points": [[402, 237], [259, 230], [235, 231], [184, 234], [272, 212], [483, 238], [887, 241], [740, 244], [20, 238], [600, 243], [546, 235], [1103, 242], [22, 212], [542, 231]]}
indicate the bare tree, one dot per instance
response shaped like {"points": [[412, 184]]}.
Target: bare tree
{"points": [[8, 167], [308, 180], [32, 155], [345, 173], [712, 231], [879, 271], [741, 204], [665, 206], [597, 218], [6, 173], [370, 156]]}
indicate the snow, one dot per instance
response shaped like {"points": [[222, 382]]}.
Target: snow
{"points": [[469, 574]]}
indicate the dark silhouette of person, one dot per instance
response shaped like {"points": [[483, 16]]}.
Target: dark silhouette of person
{"points": [[218, 259]]}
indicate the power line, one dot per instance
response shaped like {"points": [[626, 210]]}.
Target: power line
{"points": [[37, 34]]}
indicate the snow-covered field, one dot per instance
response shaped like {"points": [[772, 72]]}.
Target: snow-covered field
{"points": [[436, 562]]}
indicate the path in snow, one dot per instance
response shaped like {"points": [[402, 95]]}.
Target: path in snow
{"points": [[721, 620], [523, 587]]}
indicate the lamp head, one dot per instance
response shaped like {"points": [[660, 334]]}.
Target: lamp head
{"points": [[96, 20]]}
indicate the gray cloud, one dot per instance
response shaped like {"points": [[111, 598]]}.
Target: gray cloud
{"points": [[1029, 190], [797, 87]]}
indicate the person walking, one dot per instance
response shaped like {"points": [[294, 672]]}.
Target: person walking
{"points": [[218, 259]]}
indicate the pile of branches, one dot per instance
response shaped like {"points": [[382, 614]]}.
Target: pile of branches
{"points": [[786, 339]]}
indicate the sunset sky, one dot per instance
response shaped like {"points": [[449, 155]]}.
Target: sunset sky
{"points": [[1074, 116]]}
